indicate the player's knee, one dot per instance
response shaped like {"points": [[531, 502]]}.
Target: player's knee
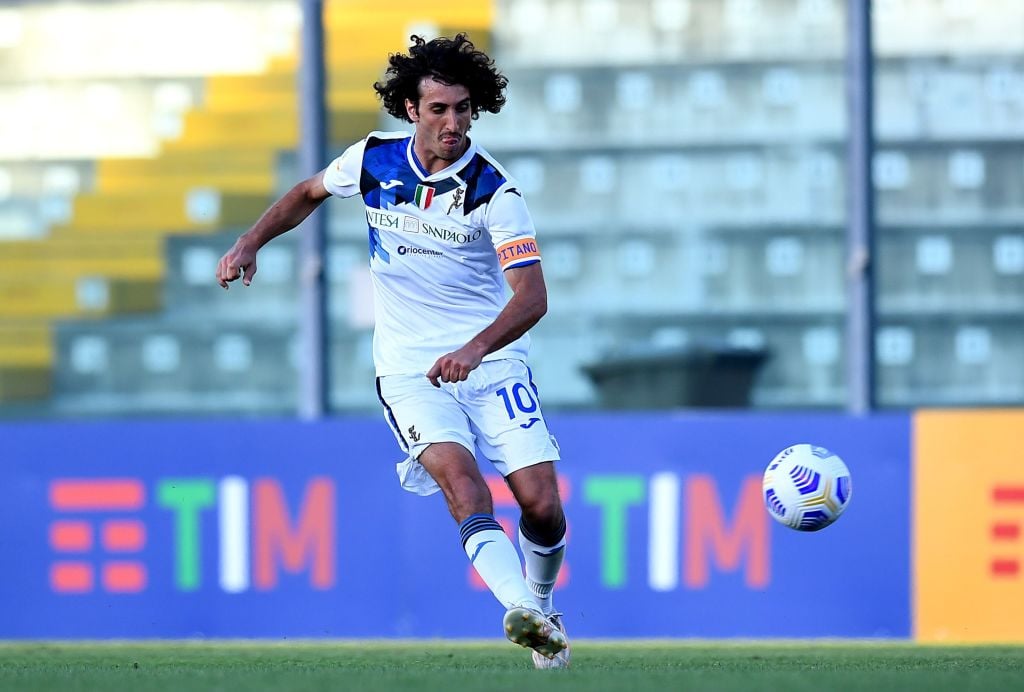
{"points": [[544, 517], [468, 495]]}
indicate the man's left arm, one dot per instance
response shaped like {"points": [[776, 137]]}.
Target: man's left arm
{"points": [[524, 309]]}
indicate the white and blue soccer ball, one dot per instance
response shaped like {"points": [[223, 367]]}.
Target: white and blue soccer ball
{"points": [[806, 487]]}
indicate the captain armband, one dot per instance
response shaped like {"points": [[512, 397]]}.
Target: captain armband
{"points": [[518, 253]]}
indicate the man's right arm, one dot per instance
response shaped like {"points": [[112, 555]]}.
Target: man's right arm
{"points": [[284, 215]]}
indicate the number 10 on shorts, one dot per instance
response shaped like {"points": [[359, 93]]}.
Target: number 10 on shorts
{"points": [[519, 395]]}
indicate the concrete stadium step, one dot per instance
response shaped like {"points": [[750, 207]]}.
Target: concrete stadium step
{"points": [[68, 243], [80, 257], [349, 125], [24, 215], [270, 130], [277, 130], [124, 267], [26, 357], [339, 54], [24, 383], [164, 365], [353, 45], [357, 43], [212, 161], [191, 261], [353, 82], [25, 343], [75, 254], [33, 179], [471, 13], [270, 98], [184, 365], [252, 181], [198, 209], [341, 57], [88, 296], [230, 170]]}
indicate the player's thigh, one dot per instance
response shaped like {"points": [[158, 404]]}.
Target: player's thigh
{"points": [[507, 419], [420, 414], [455, 470]]}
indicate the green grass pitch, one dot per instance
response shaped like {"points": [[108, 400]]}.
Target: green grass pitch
{"points": [[455, 666]]}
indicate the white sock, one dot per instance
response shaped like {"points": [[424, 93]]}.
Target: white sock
{"points": [[496, 561], [542, 565]]}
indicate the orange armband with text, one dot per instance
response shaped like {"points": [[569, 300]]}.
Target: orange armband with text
{"points": [[518, 253]]}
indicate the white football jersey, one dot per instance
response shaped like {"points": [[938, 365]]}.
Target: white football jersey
{"points": [[438, 245]]}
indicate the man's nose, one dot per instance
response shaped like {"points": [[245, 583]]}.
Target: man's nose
{"points": [[451, 121]]}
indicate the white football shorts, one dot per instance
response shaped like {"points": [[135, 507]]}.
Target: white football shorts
{"points": [[496, 411]]}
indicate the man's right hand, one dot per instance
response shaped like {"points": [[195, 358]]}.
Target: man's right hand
{"points": [[238, 262]]}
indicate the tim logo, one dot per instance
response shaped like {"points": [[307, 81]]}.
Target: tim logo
{"points": [[1007, 499], [92, 512], [103, 528]]}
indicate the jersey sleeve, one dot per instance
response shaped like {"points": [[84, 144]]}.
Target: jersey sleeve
{"points": [[341, 178], [511, 228]]}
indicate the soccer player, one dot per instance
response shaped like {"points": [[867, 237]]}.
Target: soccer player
{"points": [[448, 229]]}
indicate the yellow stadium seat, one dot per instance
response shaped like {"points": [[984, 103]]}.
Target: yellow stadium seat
{"points": [[61, 297], [23, 383], [73, 254], [167, 212], [234, 170], [26, 343]]}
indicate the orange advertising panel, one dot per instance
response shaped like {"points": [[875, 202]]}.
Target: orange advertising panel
{"points": [[969, 526]]}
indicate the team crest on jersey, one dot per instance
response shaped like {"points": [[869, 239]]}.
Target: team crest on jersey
{"points": [[456, 200], [424, 196]]}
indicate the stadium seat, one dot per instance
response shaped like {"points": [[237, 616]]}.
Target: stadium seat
{"points": [[191, 262], [941, 267], [25, 357], [153, 366], [646, 106], [932, 357]]}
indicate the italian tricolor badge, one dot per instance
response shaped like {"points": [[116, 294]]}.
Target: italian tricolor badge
{"points": [[424, 195]]}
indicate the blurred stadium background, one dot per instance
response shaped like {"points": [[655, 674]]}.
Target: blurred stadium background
{"points": [[686, 165]]}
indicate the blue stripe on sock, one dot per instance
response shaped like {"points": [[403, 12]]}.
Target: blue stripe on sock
{"points": [[474, 524]]}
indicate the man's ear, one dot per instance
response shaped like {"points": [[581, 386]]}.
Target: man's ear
{"points": [[412, 110]]}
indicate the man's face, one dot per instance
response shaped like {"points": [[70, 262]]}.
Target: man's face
{"points": [[442, 117]]}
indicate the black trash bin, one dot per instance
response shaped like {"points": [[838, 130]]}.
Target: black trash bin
{"points": [[693, 376]]}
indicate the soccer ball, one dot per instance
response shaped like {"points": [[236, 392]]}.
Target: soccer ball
{"points": [[806, 487]]}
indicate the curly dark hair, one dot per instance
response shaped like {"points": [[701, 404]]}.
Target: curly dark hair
{"points": [[449, 61]]}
